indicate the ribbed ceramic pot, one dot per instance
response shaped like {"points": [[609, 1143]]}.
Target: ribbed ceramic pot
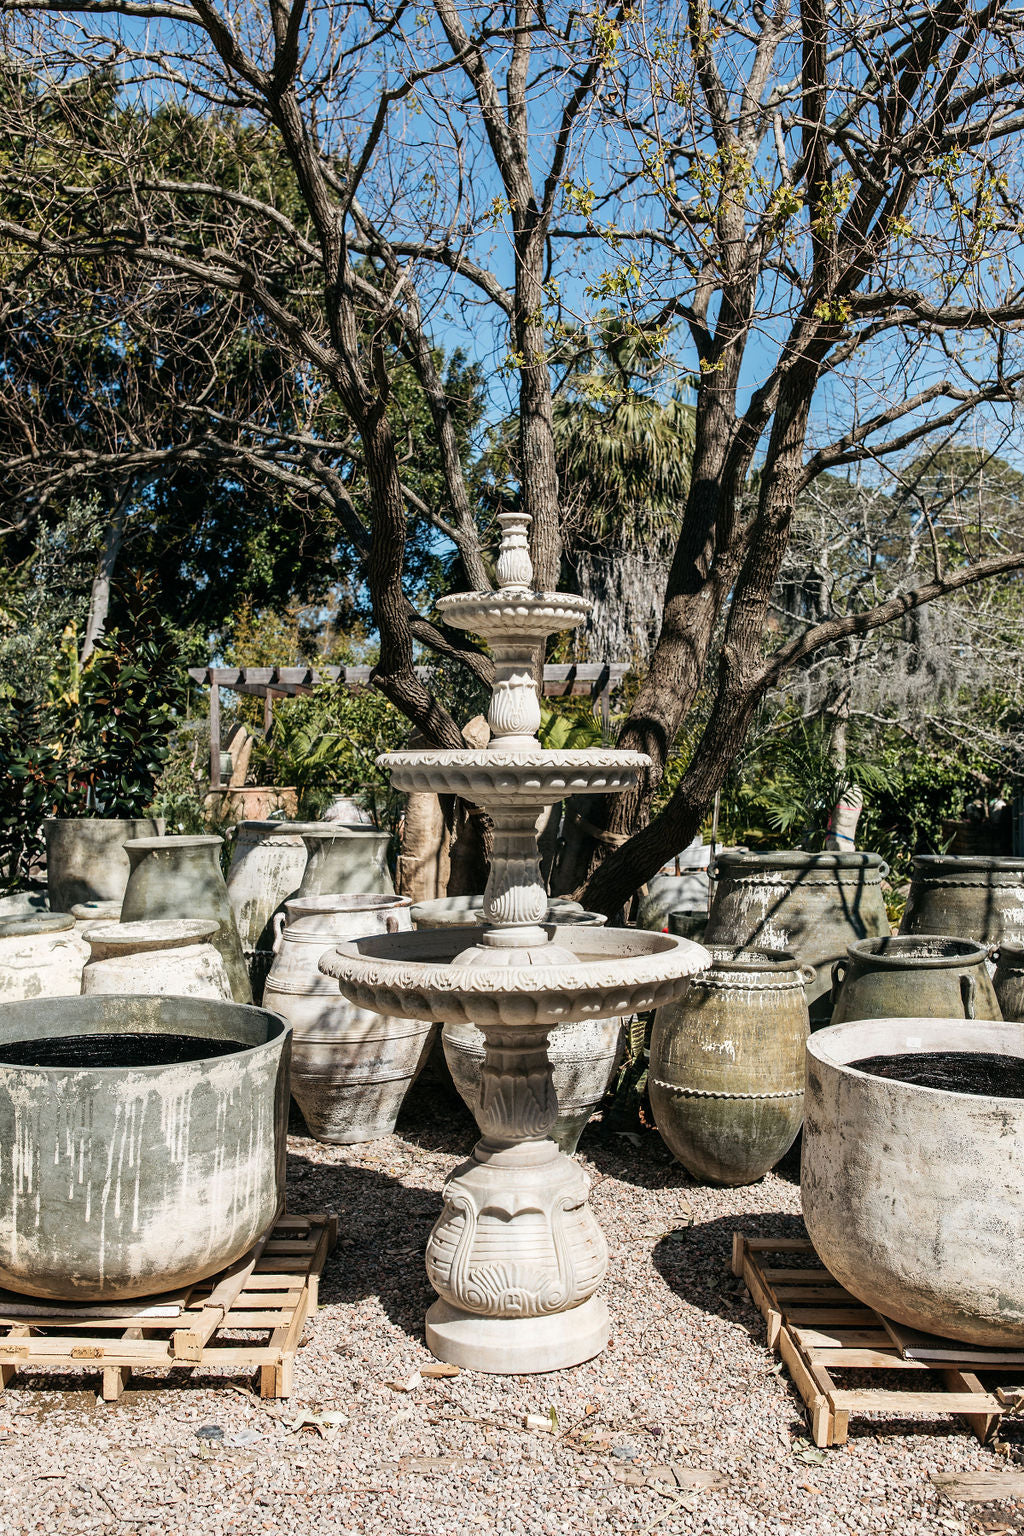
{"points": [[345, 861], [810, 904], [1008, 982], [913, 1195], [87, 913], [85, 857], [584, 1055], [351, 1069], [975, 898], [174, 957], [41, 955], [180, 876], [268, 859], [126, 1180], [913, 976], [726, 1078]]}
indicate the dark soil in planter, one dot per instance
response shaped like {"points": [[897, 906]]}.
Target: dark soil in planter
{"points": [[979, 1072], [114, 1050]]}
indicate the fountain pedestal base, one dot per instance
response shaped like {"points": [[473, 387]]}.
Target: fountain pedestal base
{"points": [[515, 1346]]}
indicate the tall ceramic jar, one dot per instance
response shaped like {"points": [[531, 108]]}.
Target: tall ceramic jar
{"points": [[726, 1079], [810, 904], [180, 876], [267, 863], [351, 1069], [173, 957], [87, 913], [975, 898], [913, 976], [1008, 982], [85, 857], [40, 956], [345, 860]]}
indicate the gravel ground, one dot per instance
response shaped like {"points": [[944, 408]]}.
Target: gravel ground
{"points": [[685, 1424]]}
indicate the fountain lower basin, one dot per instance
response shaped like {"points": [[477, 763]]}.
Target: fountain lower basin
{"points": [[612, 971], [127, 1180], [913, 1195]]}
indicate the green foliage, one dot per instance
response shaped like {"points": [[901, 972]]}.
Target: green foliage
{"points": [[92, 742], [570, 730], [327, 742], [805, 781]]}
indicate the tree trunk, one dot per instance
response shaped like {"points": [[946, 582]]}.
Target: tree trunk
{"points": [[99, 596], [538, 472]]}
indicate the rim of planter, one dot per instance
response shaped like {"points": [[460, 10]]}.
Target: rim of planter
{"points": [[309, 906], [333, 829], [981, 862], [792, 859], [1012, 953], [150, 934], [840, 1046], [127, 1013], [174, 840], [896, 952], [27, 924], [745, 959]]}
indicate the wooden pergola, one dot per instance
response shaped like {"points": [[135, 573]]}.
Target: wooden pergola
{"points": [[270, 683]]}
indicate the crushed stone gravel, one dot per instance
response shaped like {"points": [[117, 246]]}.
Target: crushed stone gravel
{"points": [[685, 1424]]}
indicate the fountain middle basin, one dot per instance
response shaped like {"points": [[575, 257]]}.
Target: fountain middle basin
{"points": [[124, 1173], [913, 1195]]}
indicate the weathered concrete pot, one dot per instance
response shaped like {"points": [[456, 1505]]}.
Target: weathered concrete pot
{"points": [[23, 904], [344, 860], [1008, 982], [123, 1181], [688, 923], [667, 892], [180, 876], [913, 1196], [351, 1069], [267, 863], [85, 857], [975, 898], [40, 956], [726, 1079], [88, 913], [174, 957], [810, 904], [913, 976]]}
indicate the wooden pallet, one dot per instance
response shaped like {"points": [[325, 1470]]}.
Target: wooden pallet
{"points": [[270, 1291], [817, 1327]]}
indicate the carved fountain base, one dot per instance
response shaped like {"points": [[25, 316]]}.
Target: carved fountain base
{"points": [[516, 1254]]}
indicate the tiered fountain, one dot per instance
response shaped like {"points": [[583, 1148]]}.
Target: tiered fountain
{"points": [[516, 1255]]}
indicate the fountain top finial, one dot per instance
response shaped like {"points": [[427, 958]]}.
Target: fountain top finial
{"points": [[515, 568]]}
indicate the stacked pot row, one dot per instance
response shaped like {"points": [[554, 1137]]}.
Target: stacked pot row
{"points": [[804, 939]]}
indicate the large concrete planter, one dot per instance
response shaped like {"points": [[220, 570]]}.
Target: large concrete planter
{"points": [[726, 1079], [180, 876], [351, 1068], [913, 1196], [810, 904], [267, 862], [1008, 982], [912, 976], [120, 1181], [41, 955], [345, 860], [172, 958], [975, 898], [85, 857]]}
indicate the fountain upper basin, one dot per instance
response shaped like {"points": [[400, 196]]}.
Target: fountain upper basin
{"points": [[612, 971], [492, 777]]}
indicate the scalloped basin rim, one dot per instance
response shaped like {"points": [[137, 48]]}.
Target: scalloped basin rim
{"points": [[418, 967], [486, 757]]}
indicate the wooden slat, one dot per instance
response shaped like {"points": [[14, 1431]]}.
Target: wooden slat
{"points": [[819, 1328], [188, 1343]]}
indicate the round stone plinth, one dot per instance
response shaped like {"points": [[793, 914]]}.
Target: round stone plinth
{"points": [[517, 1346]]}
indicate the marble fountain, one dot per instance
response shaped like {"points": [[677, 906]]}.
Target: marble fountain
{"points": [[516, 1255]]}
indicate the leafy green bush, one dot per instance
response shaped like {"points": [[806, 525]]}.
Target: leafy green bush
{"points": [[90, 742]]}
